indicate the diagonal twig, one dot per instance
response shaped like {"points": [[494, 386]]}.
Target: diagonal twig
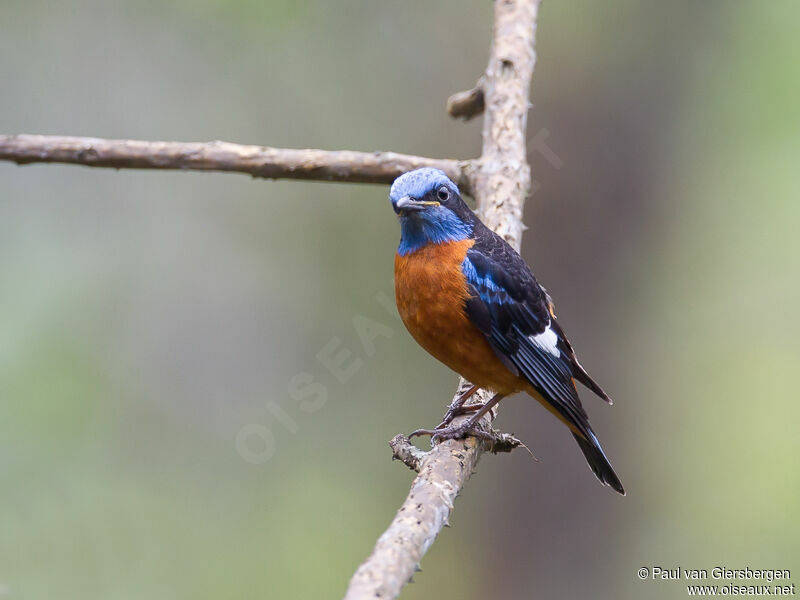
{"points": [[467, 104]]}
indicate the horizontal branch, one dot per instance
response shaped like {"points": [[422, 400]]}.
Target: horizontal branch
{"points": [[258, 161]]}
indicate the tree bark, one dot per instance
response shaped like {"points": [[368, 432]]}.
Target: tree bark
{"points": [[258, 161], [500, 181]]}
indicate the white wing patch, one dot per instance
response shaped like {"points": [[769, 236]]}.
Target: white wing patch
{"points": [[547, 340]]}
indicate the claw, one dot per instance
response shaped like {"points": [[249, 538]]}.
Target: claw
{"points": [[452, 433], [430, 432], [469, 427], [454, 412]]}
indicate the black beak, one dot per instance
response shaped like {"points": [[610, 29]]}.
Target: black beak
{"points": [[409, 204]]}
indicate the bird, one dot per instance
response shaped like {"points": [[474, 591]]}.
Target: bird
{"points": [[472, 302]]}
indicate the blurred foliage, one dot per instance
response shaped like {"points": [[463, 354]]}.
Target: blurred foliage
{"points": [[147, 317]]}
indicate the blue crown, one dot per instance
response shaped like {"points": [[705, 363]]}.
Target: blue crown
{"points": [[418, 183]]}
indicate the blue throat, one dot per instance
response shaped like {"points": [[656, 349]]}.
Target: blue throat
{"points": [[433, 226]]}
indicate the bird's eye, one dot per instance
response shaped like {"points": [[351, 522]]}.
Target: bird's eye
{"points": [[443, 194]]}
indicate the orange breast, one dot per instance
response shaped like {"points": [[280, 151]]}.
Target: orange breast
{"points": [[431, 289]]}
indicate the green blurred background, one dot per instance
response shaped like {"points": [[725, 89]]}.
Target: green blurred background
{"points": [[148, 319]]}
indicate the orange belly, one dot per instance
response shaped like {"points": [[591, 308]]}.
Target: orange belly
{"points": [[430, 290]]}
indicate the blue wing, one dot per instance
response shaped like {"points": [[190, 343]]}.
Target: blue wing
{"points": [[515, 314], [512, 310]]}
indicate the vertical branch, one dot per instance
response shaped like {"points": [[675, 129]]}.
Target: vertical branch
{"points": [[502, 178], [500, 182]]}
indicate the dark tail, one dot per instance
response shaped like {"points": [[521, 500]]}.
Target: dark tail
{"points": [[598, 461]]}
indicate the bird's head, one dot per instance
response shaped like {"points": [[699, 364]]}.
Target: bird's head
{"points": [[430, 209]]}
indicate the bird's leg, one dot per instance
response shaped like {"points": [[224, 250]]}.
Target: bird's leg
{"points": [[467, 427], [457, 407]]}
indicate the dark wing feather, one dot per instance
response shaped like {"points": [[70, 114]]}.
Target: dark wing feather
{"points": [[515, 314], [512, 310]]}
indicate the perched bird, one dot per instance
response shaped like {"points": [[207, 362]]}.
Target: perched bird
{"points": [[471, 301]]}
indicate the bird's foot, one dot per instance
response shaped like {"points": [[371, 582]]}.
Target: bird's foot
{"points": [[457, 407], [454, 432], [494, 441], [469, 427], [457, 411]]}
